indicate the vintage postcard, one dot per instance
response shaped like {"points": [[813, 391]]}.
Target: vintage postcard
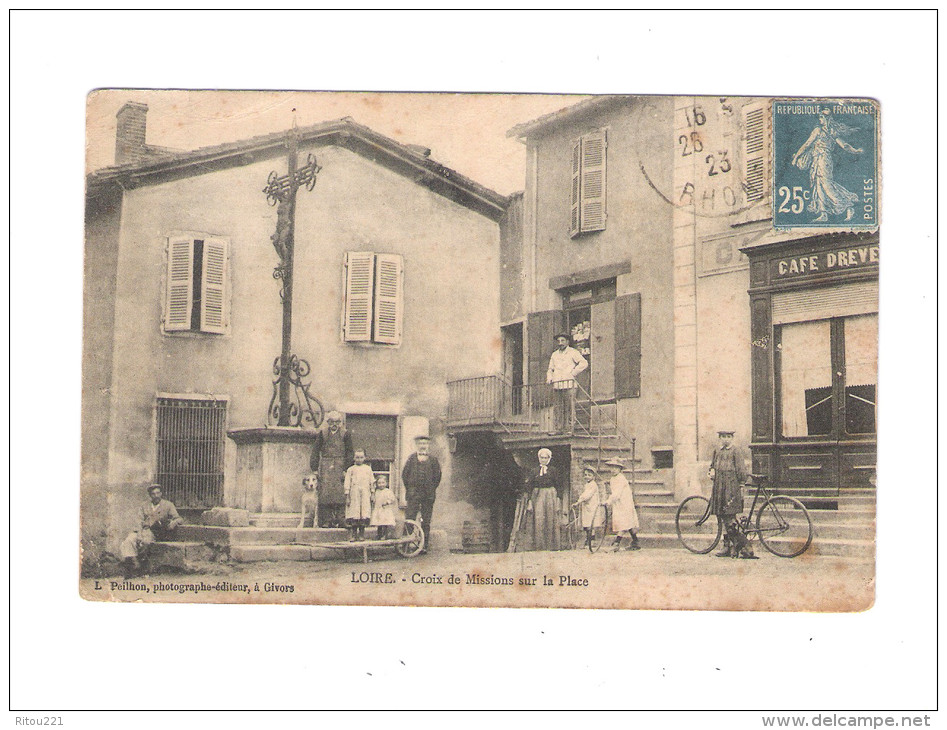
{"points": [[480, 350]]}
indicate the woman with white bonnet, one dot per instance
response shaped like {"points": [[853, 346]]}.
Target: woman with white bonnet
{"points": [[540, 524]]}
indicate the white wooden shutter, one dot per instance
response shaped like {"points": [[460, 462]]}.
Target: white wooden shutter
{"points": [[592, 190], [754, 152], [359, 283], [177, 313], [389, 298], [576, 167], [213, 286]]}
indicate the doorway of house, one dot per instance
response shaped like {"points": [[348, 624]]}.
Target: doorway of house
{"points": [[513, 365], [590, 323]]}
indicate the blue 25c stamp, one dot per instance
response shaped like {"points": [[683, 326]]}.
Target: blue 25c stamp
{"points": [[825, 163]]}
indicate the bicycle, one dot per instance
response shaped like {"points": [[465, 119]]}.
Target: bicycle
{"points": [[782, 522]]}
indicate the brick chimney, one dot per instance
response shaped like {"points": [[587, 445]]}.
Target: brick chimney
{"points": [[130, 133]]}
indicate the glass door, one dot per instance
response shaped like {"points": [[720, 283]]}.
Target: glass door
{"points": [[826, 400]]}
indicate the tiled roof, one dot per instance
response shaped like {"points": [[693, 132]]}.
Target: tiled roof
{"points": [[408, 160], [547, 121]]}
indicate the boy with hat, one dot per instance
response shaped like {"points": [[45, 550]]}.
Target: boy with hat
{"points": [[728, 472], [565, 364], [420, 476]]}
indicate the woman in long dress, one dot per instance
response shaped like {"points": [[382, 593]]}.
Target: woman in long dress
{"points": [[539, 528], [622, 502], [826, 196]]}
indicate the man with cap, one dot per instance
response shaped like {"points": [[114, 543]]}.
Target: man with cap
{"points": [[157, 521], [332, 455], [420, 476], [728, 472], [565, 364]]}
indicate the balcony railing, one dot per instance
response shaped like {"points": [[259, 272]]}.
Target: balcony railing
{"points": [[491, 400]]}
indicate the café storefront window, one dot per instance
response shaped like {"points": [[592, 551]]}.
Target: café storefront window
{"points": [[806, 379], [814, 361], [822, 362]]}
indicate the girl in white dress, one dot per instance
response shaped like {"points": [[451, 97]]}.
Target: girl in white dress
{"points": [[359, 480], [622, 502], [383, 507], [590, 499]]}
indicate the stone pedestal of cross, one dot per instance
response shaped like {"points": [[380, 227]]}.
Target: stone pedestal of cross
{"points": [[291, 404]]}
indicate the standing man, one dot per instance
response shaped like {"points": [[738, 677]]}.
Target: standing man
{"points": [[157, 520], [565, 364], [420, 476], [728, 472], [332, 455]]}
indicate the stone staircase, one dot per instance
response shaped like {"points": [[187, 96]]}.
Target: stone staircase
{"points": [[848, 531]]}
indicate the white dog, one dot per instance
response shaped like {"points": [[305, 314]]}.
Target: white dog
{"points": [[310, 501]]}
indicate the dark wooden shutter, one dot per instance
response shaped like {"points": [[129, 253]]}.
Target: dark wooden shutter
{"points": [[628, 346], [541, 328]]}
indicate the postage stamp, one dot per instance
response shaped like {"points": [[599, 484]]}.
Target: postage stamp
{"points": [[825, 163], [442, 350]]}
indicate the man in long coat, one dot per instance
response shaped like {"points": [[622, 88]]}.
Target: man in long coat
{"points": [[420, 476], [728, 472], [332, 455]]}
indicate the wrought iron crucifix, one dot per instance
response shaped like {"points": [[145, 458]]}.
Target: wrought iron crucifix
{"points": [[291, 404]]}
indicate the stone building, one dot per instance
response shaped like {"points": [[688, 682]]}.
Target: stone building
{"points": [[183, 315], [644, 224]]}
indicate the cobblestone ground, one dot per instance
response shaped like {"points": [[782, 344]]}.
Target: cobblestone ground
{"points": [[650, 579]]}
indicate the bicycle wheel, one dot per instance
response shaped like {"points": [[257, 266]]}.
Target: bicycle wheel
{"points": [[415, 543], [784, 526], [599, 528], [698, 530], [570, 535]]}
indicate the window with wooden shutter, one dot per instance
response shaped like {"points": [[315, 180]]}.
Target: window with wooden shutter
{"points": [[592, 217], [177, 315], [213, 286], [754, 152], [628, 346], [359, 287], [388, 298], [588, 193]]}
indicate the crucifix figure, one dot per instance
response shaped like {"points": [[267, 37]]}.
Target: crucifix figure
{"points": [[289, 369]]}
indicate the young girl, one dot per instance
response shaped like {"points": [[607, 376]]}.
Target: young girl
{"points": [[359, 479], [622, 502], [383, 507], [590, 500]]}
